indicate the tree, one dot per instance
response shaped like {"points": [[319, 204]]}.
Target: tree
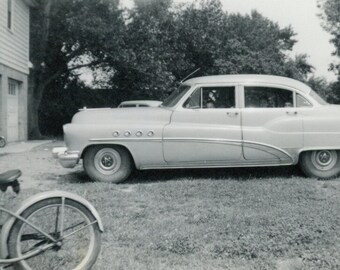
{"points": [[68, 35], [331, 18], [222, 43], [145, 51], [323, 88]]}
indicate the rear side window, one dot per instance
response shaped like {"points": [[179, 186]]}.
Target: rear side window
{"points": [[267, 97], [302, 102]]}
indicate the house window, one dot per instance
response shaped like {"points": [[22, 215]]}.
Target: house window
{"points": [[12, 88], [9, 14]]}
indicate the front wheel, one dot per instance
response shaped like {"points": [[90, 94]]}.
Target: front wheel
{"points": [[322, 164], [70, 223], [107, 163]]}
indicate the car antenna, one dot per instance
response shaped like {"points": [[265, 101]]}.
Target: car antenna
{"points": [[192, 73]]}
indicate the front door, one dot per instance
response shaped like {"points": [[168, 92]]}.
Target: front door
{"points": [[272, 126], [206, 129]]}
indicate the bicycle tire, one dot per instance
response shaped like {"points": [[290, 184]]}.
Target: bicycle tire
{"points": [[16, 233]]}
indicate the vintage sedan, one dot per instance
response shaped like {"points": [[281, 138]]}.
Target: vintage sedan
{"points": [[213, 121]]}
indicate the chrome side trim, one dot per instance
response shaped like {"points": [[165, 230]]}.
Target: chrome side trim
{"points": [[200, 140], [224, 165], [244, 143], [268, 146], [125, 140]]}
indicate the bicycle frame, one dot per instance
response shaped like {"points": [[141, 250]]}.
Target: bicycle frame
{"points": [[30, 201]]}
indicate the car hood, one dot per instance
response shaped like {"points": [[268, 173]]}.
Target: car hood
{"points": [[122, 115]]}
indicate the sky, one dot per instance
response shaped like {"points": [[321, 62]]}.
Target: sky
{"points": [[302, 16]]}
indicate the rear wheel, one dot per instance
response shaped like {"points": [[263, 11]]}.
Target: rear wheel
{"points": [[107, 163], [322, 164]]}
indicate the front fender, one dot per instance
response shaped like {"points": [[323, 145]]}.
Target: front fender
{"points": [[36, 198]]}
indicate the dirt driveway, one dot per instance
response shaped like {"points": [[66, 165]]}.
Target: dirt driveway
{"points": [[39, 168]]}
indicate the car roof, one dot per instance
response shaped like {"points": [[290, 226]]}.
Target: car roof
{"points": [[250, 78]]}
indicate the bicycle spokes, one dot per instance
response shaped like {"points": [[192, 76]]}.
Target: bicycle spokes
{"points": [[68, 225]]}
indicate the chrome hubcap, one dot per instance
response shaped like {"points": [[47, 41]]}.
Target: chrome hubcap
{"points": [[324, 159], [107, 161]]}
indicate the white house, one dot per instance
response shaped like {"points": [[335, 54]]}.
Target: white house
{"points": [[14, 68]]}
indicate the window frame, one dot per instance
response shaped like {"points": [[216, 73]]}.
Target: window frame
{"points": [[13, 88], [278, 86], [298, 94], [220, 85]]}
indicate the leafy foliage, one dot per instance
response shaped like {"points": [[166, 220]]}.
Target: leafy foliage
{"points": [[65, 36], [146, 50], [331, 18]]}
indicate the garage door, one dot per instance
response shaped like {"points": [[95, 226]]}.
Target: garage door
{"points": [[13, 111]]}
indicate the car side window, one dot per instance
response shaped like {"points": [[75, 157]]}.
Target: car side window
{"points": [[212, 98], [267, 97], [302, 102], [195, 100]]}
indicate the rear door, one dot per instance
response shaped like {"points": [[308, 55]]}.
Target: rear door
{"points": [[272, 127]]}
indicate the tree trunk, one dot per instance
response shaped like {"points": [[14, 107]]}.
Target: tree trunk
{"points": [[37, 77]]}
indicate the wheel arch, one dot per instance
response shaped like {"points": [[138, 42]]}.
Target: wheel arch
{"points": [[310, 149], [110, 145], [39, 197]]}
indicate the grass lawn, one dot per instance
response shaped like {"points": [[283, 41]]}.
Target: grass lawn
{"points": [[215, 219]]}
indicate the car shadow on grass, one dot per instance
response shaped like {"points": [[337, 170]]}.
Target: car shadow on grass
{"points": [[240, 174], [77, 177]]}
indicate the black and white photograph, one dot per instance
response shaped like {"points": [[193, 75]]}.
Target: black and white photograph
{"points": [[170, 134]]}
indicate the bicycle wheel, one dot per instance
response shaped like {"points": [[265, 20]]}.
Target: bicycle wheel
{"points": [[2, 142], [73, 225]]}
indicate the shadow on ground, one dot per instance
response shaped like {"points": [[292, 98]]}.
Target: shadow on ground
{"points": [[214, 174], [240, 174]]}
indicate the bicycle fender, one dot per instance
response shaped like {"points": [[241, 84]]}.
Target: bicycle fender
{"points": [[39, 197]]}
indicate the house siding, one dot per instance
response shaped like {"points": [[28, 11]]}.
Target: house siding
{"points": [[14, 42], [14, 67]]}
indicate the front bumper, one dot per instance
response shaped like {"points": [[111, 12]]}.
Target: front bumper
{"points": [[67, 159]]}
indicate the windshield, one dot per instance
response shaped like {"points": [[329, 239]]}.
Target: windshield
{"points": [[175, 96], [319, 99]]}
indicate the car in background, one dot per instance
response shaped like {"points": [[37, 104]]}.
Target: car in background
{"points": [[139, 103], [210, 122]]}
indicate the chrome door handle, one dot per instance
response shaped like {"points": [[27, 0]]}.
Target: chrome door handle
{"points": [[292, 113], [232, 113]]}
